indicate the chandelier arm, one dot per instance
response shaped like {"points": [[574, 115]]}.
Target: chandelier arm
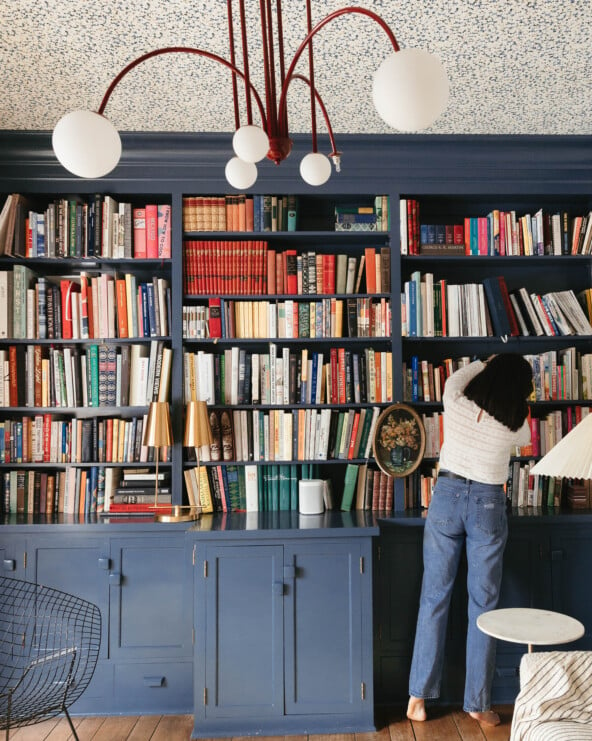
{"points": [[271, 127], [313, 112], [233, 61], [183, 50], [272, 107], [246, 61], [283, 123], [334, 152], [321, 24]]}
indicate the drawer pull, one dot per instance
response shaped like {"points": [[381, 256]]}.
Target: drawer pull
{"points": [[154, 681]]}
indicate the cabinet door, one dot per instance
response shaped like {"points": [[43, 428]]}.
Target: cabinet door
{"points": [[323, 624], [397, 574], [239, 667], [12, 556], [74, 563], [150, 597], [571, 562]]}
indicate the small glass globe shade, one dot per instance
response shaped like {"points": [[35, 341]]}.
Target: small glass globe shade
{"points": [[315, 168], [240, 174], [410, 89], [86, 144], [250, 143]]}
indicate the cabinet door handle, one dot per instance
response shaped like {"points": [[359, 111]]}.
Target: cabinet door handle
{"points": [[154, 681], [104, 563], [9, 564], [278, 587], [115, 578]]}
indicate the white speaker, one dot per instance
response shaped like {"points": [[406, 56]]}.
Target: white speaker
{"points": [[310, 497]]}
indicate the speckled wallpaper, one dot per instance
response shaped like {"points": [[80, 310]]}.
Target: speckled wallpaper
{"points": [[515, 66]]}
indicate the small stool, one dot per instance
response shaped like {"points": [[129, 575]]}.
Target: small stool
{"points": [[530, 626]]}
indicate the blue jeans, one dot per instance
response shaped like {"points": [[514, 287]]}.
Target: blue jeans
{"points": [[460, 513]]}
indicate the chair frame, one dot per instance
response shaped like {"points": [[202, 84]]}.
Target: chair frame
{"points": [[49, 648]]}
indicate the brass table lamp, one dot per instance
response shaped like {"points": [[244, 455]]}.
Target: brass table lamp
{"points": [[197, 434], [158, 434]]}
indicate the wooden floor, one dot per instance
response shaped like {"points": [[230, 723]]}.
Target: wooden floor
{"points": [[444, 724]]}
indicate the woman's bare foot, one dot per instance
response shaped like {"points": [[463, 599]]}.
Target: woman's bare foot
{"points": [[416, 709], [487, 717]]}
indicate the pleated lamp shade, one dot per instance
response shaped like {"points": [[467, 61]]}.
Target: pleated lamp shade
{"points": [[158, 432], [572, 456], [197, 425]]}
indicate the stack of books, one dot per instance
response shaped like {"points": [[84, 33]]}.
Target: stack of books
{"points": [[135, 493]]}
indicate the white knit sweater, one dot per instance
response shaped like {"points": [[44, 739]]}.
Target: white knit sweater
{"points": [[478, 449]]}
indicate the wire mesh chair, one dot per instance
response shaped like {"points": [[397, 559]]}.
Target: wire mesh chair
{"points": [[49, 647]]}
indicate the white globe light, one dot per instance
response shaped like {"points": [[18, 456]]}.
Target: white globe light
{"points": [[315, 168], [240, 174], [250, 143], [87, 144], [410, 89]]}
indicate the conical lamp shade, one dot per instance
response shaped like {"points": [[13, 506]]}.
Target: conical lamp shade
{"points": [[197, 425], [572, 456], [158, 432]]}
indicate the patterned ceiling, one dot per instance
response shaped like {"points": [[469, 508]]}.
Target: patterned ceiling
{"points": [[515, 66]]}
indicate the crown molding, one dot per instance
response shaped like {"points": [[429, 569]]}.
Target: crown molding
{"points": [[419, 163]]}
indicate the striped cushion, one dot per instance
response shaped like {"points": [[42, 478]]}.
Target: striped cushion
{"points": [[554, 686]]}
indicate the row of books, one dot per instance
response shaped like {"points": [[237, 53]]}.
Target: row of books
{"points": [[546, 431], [286, 377], [75, 491], [363, 217], [77, 227], [43, 438], [289, 319], [499, 232], [292, 435], [274, 488], [93, 376], [520, 312], [251, 267], [240, 213], [557, 375], [437, 308], [85, 307]]}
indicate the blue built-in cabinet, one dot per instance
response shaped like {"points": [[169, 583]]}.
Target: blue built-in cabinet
{"points": [[264, 624], [285, 643]]}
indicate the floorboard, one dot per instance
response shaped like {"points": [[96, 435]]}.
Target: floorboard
{"points": [[443, 724]]}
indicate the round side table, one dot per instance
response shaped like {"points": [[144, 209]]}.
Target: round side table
{"points": [[531, 626]]}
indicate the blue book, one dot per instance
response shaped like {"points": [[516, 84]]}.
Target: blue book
{"points": [[151, 310]]}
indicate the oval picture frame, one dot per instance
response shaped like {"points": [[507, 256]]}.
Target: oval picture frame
{"points": [[399, 440]]}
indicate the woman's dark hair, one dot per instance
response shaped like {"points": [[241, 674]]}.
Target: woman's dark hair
{"points": [[502, 389]]}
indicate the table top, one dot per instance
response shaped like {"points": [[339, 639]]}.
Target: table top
{"points": [[528, 625]]}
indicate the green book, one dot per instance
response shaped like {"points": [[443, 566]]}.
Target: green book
{"points": [[349, 486], [294, 487], [93, 375], [274, 488], [284, 487]]}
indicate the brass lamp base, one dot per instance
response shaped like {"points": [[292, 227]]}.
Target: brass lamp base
{"points": [[179, 513]]}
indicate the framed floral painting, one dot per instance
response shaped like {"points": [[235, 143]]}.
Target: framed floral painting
{"points": [[399, 440]]}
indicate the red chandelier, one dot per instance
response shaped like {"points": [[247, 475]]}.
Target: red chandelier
{"points": [[410, 90]]}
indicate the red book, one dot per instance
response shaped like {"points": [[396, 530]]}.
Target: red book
{"points": [[329, 275], [371, 269], [164, 231], [215, 317], [354, 434], [66, 288], [334, 374], [271, 256], [291, 272], [139, 218], [152, 231], [514, 329]]}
